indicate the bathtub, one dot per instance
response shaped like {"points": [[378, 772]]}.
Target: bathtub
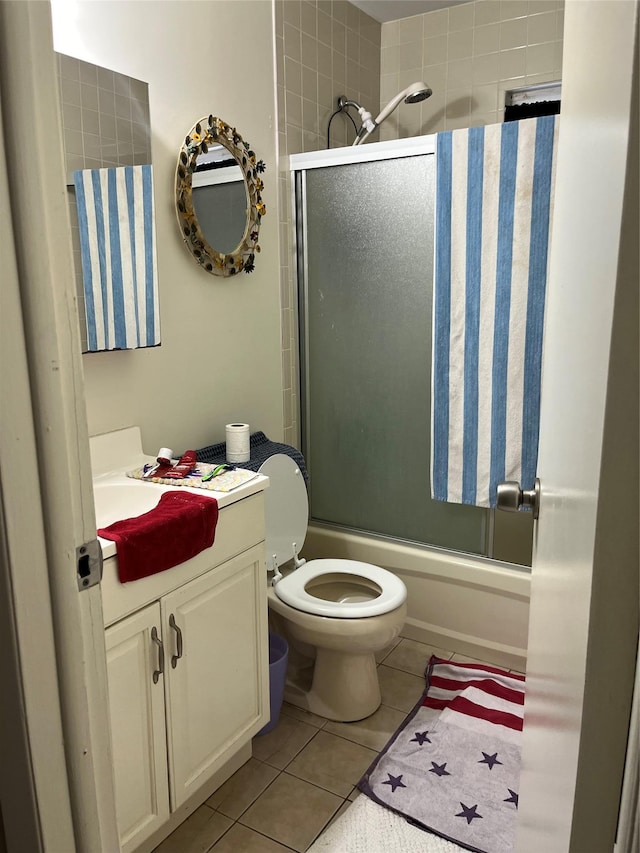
{"points": [[477, 606]]}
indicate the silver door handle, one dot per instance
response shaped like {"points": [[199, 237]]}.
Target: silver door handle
{"points": [[156, 639], [511, 497], [175, 658]]}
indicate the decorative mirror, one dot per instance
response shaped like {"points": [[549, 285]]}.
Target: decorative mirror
{"points": [[218, 197]]}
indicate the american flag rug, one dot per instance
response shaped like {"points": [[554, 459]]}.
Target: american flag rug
{"points": [[453, 766]]}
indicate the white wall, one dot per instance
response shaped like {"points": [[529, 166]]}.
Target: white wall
{"points": [[220, 358]]}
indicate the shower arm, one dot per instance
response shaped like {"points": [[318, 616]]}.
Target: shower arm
{"points": [[366, 118]]}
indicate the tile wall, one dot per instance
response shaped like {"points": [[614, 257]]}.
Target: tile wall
{"points": [[324, 49], [469, 55], [105, 123]]}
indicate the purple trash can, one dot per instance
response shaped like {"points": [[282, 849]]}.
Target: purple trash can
{"points": [[278, 656]]}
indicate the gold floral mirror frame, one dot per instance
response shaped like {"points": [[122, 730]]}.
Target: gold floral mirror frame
{"points": [[207, 132]]}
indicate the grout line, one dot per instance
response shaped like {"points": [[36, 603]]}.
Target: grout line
{"points": [[215, 843], [311, 739], [262, 835]]}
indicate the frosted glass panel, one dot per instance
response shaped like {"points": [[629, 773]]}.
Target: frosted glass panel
{"points": [[367, 307]]}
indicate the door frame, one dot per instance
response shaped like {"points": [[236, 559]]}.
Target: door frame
{"points": [[57, 744]]}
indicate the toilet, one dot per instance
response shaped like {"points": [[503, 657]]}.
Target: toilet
{"points": [[335, 614]]}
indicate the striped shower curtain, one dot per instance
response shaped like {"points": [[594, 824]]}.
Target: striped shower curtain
{"points": [[494, 190], [118, 246]]}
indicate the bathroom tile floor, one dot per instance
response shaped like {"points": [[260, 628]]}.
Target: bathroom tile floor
{"points": [[303, 773]]}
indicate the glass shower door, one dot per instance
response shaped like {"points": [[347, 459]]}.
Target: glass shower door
{"points": [[366, 271]]}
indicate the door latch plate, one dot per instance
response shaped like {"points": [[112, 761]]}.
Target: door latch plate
{"points": [[88, 564]]}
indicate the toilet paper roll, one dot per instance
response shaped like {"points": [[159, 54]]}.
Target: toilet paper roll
{"points": [[237, 442]]}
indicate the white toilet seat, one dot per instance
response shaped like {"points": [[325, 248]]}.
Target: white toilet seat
{"points": [[291, 590], [287, 515]]}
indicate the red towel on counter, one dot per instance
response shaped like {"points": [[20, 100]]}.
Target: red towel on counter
{"points": [[178, 528]]}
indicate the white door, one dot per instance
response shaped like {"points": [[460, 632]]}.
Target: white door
{"points": [[584, 604], [135, 664], [216, 641]]}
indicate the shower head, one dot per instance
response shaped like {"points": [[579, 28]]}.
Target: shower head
{"points": [[420, 94], [413, 94]]}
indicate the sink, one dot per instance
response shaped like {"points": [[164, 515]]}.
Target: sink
{"points": [[116, 501]]}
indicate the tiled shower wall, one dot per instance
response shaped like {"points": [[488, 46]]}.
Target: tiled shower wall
{"points": [[469, 54], [105, 123], [324, 49]]}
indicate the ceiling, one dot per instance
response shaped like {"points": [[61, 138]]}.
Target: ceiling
{"points": [[391, 10]]}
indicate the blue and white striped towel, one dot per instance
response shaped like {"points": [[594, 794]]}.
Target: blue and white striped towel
{"points": [[494, 190], [118, 245]]}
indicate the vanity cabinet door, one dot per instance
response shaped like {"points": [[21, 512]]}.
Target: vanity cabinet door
{"points": [[138, 733], [217, 683]]}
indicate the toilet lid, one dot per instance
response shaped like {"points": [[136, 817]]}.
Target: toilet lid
{"points": [[292, 589], [286, 509]]}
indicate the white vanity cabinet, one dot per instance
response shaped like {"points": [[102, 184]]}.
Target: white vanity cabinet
{"points": [[188, 673]]}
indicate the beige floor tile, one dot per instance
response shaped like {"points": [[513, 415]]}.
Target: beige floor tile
{"points": [[373, 732], [241, 839], [283, 743], [332, 763], [354, 795], [291, 811], [413, 657], [303, 716], [197, 834], [245, 786], [399, 689]]}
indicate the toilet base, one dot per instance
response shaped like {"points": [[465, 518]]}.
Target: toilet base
{"points": [[344, 687]]}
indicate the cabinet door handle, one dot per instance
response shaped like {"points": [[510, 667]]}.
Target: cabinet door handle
{"points": [[175, 658], [156, 639]]}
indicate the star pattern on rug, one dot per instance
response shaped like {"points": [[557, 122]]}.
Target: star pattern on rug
{"points": [[512, 799], [469, 812], [489, 760], [395, 782], [421, 738], [422, 772]]}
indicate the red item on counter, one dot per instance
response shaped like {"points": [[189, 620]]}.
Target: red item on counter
{"points": [[178, 528], [184, 467]]}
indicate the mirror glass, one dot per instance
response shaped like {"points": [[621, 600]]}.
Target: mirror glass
{"points": [[106, 125], [219, 197]]}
